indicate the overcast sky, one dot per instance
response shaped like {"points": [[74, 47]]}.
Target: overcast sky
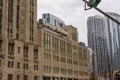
{"points": [[72, 12]]}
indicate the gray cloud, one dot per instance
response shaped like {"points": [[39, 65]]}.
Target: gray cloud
{"points": [[72, 12]]}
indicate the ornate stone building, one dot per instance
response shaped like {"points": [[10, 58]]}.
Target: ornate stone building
{"points": [[62, 57], [18, 47], [37, 52]]}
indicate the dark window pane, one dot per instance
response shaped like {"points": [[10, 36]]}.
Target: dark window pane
{"points": [[10, 76]]}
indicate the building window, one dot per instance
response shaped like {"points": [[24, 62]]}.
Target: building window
{"points": [[56, 70], [26, 52], [55, 45], [0, 63], [1, 12], [25, 77], [47, 56], [70, 72], [75, 62], [31, 20], [18, 49], [18, 77], [47, 69], [44, 15], [69, 61], [17, 19], [25, 66], [17, 35], [11, 49], [63, 70], [18, 65], [10, 18], [55, 58], [36, 77], [36, 67], [80, 53], [0, 45], [80, 63], [80, 73], [47, 40], [35, 53], [63, 60], [75, 72], [1, 76], [10, 77], [62, 47], [69, 48], [10, 64]]}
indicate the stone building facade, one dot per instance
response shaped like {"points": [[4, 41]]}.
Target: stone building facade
{"points": [[62, 57], [32, 52], [18, 47]]}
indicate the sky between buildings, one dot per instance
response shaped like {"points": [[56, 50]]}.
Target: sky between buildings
{"points": [[73, 13]]}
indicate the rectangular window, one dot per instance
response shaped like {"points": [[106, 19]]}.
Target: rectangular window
{"points": [[63, 60], [80, 73], [47, 41], [18, 49], [10, 64], [18, 77], [35, 53], [10, 77], [0, 63], [36, 67], [69, 71], [56, 70], [44, 15], [36, 77], [26, 52], [31, 20], [44, 68], [18, 65], [1, 76], [17, 19], [17, 35], [10, 18], [11, 49], [0, 45], [25, 77], [1, 11], [62, 47], [63, 70], [25, 66], [47, 69], [69, 61], [55, 58], [69, 48]]}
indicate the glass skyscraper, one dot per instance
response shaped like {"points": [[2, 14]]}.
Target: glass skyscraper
{"points": [[96, 41], [112, 30], [104, 39]]}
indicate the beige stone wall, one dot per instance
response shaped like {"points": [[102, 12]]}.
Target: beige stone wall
{"points": [[19, 57], [58, 55], [78, 70], [72, 33], [24, 20], [24, 39]]}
